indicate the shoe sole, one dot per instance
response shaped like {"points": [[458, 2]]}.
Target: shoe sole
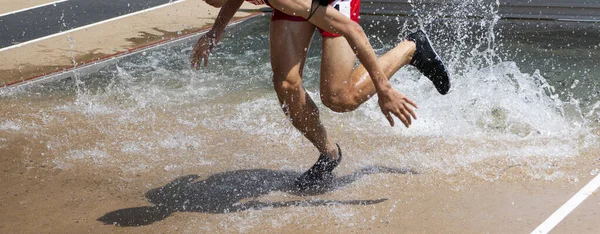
{"points": [[437, 56]]}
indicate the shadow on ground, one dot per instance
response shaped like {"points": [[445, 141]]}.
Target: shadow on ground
{"points": [[224, 192]]}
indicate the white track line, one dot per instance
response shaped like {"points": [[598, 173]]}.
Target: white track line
{"points": [[29, 8], [90, 25], [581, 20], [568, 207]]}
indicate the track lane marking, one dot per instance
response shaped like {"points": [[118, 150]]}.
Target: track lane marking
{"points": [[90, 25], [31, 8], [568, 207]]}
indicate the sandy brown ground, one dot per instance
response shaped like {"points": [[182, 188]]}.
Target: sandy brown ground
{"points": [[37, 196], [48, 189], [117, 36]]}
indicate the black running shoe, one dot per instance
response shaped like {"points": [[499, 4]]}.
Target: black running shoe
{"points": [[429, 62], [320, 172]]}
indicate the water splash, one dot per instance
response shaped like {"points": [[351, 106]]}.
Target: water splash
{"points": [[151, 111]]}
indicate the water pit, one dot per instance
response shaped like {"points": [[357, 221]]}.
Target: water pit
{"points": [[524, 108]]}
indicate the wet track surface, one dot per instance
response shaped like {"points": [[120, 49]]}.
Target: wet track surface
{"points": [[47, 20]]}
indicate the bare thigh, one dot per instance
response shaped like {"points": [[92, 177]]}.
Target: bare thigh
{"points": [[289, 42], [345, 85], [337, 63]]}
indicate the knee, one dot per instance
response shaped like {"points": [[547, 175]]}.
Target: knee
{"points": [[339, 101], [356, 28], [287, 84]]}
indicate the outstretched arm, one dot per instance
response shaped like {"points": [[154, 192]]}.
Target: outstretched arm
{"points": [[206, 43], [328, 18]]}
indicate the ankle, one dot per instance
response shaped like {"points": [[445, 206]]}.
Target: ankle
{"points": [[408, 43], [411, 47], [406, 50], [332, 152]]}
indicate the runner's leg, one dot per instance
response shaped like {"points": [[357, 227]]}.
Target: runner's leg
{"points": [[289, 42], [344, 88]]}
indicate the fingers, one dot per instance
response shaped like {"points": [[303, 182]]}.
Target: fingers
{"points": [[201, 51], [399, 105], [403, 117], [192, 59], [389, 118], [195, 59], [194, 56], [194, 62], [411, 111], [411, 103], [408, 118]]}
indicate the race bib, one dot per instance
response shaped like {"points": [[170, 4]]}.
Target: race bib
{"points": [[343, 6]]}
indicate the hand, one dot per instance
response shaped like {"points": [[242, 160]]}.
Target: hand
{"points": [[206, 43], [393, 102]]}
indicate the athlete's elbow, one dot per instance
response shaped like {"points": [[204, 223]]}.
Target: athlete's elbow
{"points": [[354, 30]]}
